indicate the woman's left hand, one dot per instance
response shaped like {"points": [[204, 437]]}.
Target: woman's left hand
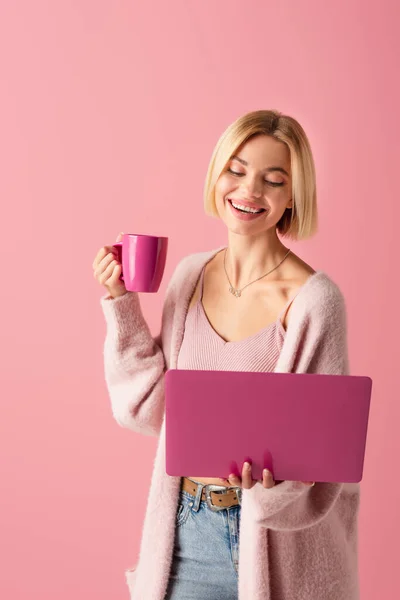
{"points": [[247, 482]]}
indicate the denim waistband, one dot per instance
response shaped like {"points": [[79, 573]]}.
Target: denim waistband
{"points": [[196, 501]]}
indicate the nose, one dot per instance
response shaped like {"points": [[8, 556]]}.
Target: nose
{"points": [[252, 188]]}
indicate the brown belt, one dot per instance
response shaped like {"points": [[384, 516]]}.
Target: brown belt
{"points": [[222, 498]]}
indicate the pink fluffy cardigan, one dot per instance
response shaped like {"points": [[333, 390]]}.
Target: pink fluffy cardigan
{"points": [[296, 542]]}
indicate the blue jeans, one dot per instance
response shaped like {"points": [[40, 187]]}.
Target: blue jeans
{"points": [[206, 551]]}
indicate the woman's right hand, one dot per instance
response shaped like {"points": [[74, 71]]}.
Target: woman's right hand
{"points": [[107, 270]]}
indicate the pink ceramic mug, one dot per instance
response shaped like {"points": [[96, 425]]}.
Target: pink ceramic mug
{"points": [[143, 260]]}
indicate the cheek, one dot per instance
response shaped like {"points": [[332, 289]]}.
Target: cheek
{"points": [[277, 199], [222, 188]]}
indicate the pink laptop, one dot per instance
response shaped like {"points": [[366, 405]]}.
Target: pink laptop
{"points": [[303, 427]]}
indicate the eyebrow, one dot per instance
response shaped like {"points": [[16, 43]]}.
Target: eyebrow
{"points": [[269, 168]]}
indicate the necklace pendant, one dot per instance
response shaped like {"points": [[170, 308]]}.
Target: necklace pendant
{"points": [[235, 292]]}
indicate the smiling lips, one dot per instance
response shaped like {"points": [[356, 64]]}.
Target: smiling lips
{"points": [[245, 210]]}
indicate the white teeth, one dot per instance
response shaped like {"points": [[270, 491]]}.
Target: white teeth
{"points": [[246, 208]]}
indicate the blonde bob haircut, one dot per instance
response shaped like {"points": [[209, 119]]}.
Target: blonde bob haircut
{"points": [[300, 221]]}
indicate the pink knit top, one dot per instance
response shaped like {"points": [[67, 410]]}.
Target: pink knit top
{"points": [[203, 348]]}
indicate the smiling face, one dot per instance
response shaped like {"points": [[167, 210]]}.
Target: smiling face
{"points": [[254, 190]]}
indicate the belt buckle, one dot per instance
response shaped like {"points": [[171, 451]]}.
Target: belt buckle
{"points": [[219, 488]]}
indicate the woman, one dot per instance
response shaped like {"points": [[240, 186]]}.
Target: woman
{"points": [[252, 306]]}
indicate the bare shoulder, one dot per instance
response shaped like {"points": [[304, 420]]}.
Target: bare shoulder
{"points": [[322, 296], [297, 270], [294, 274], [196, 295], [211, 267], [324, 289], [293, 277]]}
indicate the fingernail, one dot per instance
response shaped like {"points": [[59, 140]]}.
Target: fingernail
{"points": [[266, 472], [247, 465]]}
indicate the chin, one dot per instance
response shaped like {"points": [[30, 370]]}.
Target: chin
{"points": [[240, 231]]}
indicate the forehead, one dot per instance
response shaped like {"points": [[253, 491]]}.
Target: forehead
{"points": [[262, 151]]}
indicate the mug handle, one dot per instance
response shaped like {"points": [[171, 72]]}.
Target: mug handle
{"points": [[118, 246]]}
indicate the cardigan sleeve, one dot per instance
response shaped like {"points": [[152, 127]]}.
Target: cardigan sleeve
{"points": [[316, 342], [134, 361]]}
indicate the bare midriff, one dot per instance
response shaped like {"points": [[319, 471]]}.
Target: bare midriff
{"points": [[212, 481]]}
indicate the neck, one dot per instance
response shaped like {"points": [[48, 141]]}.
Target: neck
{"points": [[250, 257]]}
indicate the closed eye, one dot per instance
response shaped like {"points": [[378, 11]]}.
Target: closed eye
{"points": [[273, 183]]}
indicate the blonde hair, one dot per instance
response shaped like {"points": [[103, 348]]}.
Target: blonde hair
{"points": [[299, 222]]}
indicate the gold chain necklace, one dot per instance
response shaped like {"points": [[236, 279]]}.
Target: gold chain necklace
{"points": [[238, 292]]}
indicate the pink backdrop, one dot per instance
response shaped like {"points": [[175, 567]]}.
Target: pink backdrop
{"points": [[109, 113]]}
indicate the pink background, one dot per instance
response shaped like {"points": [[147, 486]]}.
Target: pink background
{"points": [[109, 114]]}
